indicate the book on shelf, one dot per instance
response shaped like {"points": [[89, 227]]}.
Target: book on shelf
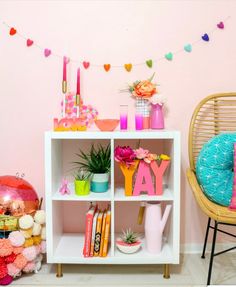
{"points": [[106, 235], [88, 230], [103, 232], [93, 232], [98, 234]]}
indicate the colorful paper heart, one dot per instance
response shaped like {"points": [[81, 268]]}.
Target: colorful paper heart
{"points": [[149, 63], [205, 37], [221, 25], [107, 67], [188, 48], [128, 67], [86, 64], [47, 52], [169, 56], [29, 42], [12, 31]]}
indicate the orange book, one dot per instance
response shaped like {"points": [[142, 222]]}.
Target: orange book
{"points": [[88, 231], [106, 236], [103, 232], [93, 233], [97, 240]]}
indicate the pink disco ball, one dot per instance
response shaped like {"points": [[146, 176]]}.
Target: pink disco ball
{"points": [[17, 196]]}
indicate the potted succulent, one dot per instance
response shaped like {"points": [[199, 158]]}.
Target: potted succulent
{"points": [[129, 242], [97, 162], [82, 182]]}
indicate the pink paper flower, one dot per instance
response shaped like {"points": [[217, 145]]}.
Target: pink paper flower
{"points": [[125, 155], [141, 153]]}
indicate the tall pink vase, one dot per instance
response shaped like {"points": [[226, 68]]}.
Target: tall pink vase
{"points": [[154, 226], [157, 118]]}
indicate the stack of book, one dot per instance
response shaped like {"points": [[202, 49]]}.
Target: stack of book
{"points": [[97, 232]]}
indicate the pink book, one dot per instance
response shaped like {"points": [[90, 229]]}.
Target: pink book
{"points": [[88, 231]]}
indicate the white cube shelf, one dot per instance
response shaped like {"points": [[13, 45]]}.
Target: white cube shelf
{"points": [[65, 246]]}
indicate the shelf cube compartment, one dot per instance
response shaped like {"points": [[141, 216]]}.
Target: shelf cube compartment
{"points": [[127, 217], [147, 179], [66, 232]]}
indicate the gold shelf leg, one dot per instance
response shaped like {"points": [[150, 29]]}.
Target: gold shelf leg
{"points": [[166, 274], [59, 270]]}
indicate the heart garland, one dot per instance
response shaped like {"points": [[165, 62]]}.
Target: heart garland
{"points": [[47, 52], [86, 64], [169, 56], [29, 42], [107, 67], [188, 48], [205, 37], [12, 31], [128, 67]]}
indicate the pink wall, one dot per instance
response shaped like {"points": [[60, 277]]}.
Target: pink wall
{"points": [[113, 32]]}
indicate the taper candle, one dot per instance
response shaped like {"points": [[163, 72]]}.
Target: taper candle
{"points": [[64, 82], [78, 82], [64, 68]]}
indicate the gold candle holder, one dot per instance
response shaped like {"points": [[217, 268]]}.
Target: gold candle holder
{"points": [[64, 87], [77, 100]]}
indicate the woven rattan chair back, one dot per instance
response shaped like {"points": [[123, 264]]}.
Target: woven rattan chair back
{"points": [[213, 115]]}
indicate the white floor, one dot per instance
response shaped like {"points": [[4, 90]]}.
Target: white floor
{"points": [[191, 272]]}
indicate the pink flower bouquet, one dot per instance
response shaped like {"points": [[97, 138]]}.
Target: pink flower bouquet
{"points": [[125, 155]]}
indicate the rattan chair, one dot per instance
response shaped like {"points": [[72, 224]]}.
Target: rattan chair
{"points": [[213, 115]]}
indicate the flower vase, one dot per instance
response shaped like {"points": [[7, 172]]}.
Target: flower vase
{"points": [[143, 108], [157, 118]]}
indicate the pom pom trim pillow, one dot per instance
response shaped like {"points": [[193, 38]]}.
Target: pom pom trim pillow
{"points": [[214, 168]]}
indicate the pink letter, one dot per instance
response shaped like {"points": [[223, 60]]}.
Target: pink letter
{"points": [[159, 171], [143, 175]]}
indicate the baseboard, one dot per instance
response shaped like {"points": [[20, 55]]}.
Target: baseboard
{"points": [[194, 248]]}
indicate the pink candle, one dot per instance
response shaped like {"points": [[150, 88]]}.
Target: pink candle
{"points": [[64, 68], [78, 82], [138, 122]]}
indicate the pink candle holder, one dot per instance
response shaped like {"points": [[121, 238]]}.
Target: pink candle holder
{"points": [[123, 117], [138, 122]]}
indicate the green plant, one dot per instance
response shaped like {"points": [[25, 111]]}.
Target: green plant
{"points": [[82, 175], [98, 160], [129, 236]]}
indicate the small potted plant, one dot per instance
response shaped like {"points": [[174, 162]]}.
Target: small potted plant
{"points": [[82, 182], [129, 242], [97, 162]]}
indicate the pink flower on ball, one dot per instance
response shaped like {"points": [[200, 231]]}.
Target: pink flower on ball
{"points": [[6, 280], [20, 261], [3, 270], [13, 270], [17, 238], [17, 250], [10, 258], [30, 253], [5, 247], [29, 267], [43, 246]]}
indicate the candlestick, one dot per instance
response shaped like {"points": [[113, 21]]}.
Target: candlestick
{"points": [[64, 82]]}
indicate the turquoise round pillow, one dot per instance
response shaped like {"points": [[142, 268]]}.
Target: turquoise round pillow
{"points": [[214, 168]]}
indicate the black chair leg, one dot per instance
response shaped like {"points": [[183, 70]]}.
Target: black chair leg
{"points": [[206, 237], [212, 253]]}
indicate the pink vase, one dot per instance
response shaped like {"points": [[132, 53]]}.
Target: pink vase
{"points": [[157, 118]]}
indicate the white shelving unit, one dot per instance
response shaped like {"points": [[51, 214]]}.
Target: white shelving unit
{"points": [[65, 245]]}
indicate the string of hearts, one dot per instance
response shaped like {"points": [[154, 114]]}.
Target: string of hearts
{"points": [[188, 47]]}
